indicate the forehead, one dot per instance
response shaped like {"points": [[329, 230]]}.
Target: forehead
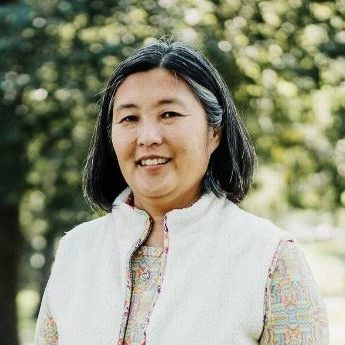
{"points": [[152, 86]]}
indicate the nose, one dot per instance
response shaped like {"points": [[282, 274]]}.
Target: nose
{"points": [[149, 133]]}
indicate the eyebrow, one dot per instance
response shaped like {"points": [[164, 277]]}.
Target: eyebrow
{"points": [[160, 102]]}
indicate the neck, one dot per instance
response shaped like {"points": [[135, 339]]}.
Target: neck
{"points": [[158, 207]]}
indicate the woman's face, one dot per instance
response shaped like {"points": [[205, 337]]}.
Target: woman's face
{"points": [[161, 138]]}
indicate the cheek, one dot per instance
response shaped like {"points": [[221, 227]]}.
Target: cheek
{"points": [[194, 152], [120, 144], [192, 140], [116, 148]]}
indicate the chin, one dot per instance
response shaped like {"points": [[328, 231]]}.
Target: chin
{"points": [[154, 193], [152, 186]]}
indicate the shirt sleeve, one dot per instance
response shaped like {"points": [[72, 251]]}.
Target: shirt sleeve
{"points": [[46, 330], [294, 310]]}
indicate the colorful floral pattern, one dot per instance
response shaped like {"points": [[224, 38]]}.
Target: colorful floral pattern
{"points": [[130, 282], [46, 330], [146, 267], [295, 313]]}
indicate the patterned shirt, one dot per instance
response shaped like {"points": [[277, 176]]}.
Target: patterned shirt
{"points": [[294, 311]]}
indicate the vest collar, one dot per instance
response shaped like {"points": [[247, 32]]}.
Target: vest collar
{"points": [[196, 218]]}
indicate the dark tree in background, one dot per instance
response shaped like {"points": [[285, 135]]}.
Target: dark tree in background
{"points": [[283, 61], [13, 169]]}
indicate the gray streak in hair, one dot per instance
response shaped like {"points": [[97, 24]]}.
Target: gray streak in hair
{"points": [[209, 101]]}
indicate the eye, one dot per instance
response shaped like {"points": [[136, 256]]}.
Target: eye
{"points": [[129, 118], [170, 114]]}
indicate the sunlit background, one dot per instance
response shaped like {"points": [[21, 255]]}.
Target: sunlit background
{"points": [[284, 62]]}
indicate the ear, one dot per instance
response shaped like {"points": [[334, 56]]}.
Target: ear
{"points": [[215, 135]]}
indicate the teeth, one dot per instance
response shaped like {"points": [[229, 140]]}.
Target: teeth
{"points": [[154, 161]]}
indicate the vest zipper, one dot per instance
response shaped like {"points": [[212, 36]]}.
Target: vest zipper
{"points": [[129, 287], [161, 277]]}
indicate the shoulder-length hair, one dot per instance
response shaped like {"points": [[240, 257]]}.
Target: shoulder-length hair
{"points": [[231, 166]]}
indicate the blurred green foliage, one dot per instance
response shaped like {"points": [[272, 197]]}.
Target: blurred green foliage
{"points": [[283, 60]]}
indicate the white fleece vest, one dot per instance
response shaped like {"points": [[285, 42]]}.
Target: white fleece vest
{"points": [[213, 282]]}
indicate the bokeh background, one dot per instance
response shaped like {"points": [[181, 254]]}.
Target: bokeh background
{"points": [[284, 63]]}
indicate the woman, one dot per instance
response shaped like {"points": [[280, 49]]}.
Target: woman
{"points": [[175, 260]]}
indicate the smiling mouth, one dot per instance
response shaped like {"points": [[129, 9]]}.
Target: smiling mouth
{"points": [[153, 161]]}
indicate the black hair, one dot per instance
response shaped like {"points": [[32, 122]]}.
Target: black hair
{"points": [[231, 166]]}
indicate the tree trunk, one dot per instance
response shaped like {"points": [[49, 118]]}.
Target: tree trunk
{"points": [[10, 243]]}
